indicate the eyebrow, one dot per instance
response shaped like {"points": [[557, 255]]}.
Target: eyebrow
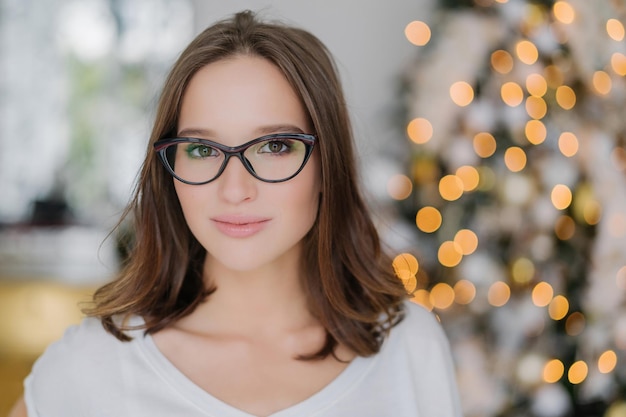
{"points": [[263, 130]]}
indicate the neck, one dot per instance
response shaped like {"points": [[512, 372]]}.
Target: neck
{"points": [[267, 299]]}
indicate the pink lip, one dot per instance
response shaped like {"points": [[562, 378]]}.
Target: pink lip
{"points": [[240, 226]]}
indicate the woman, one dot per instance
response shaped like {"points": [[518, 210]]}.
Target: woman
{"points": [[256, 285]]}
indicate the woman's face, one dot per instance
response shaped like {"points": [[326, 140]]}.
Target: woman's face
{"points": [[242, 222]]}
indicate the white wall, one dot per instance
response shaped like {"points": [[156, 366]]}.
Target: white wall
{"points": [[367, 40]]}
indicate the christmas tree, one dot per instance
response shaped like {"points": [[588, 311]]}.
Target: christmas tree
{"points": [[514, 188]]}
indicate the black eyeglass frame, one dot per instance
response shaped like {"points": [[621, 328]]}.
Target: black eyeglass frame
{"points": [[161, 145]]}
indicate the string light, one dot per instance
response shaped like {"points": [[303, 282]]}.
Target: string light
{"points": [[405, 266]]}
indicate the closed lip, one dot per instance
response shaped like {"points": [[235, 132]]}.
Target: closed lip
{"points": [[238, 220], [240, 226]]}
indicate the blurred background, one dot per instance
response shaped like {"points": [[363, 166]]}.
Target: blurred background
{"points": [[492, 139]]}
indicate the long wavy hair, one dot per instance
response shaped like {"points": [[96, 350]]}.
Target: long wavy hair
{"points": [[349, 281]]}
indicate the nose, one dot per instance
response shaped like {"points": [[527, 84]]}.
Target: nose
{"points": [[236, 184]]}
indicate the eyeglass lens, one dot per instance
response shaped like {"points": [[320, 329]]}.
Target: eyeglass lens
{"points": [[273, 159]]}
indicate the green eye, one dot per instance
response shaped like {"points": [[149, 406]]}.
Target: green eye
{"points": [[275, 147], [200, 151]]}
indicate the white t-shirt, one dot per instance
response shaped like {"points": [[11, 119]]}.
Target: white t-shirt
{"points": [[89, 373]]}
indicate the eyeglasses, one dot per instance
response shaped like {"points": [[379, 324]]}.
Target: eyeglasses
{"points": [[271, 158]]}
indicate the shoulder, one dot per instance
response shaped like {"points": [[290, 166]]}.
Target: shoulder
{"points": [[85, 358], [419, 323]]}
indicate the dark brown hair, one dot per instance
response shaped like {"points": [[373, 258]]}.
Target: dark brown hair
{"points": [[349, 281]]}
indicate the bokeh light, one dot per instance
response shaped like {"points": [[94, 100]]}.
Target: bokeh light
{"points": [[469, 177], [615, 29], [554, 76], [558, 308], [564, 12], [405, 265], [522, 270], [419, 130], [428, 219], [417, 32], [618, 63], [553, 371], [592, 212], [536, 85], [535, 132], [467, 241], [577, 372], [536, 107], [422, 297], [512, 94], [575, 323], [607, 361], [564, 227], [449, 254], [515, 159], [442, 296], [542, 294], [502, 61], [602, 82], [464, 292], [568, 144], [461, 93], [527, 52], [498, 294], [399, 187], [561, 196], [450, 187], [484, 144], [565, 97]]}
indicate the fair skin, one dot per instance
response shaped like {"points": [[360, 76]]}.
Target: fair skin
{"points": [[241, 345]]}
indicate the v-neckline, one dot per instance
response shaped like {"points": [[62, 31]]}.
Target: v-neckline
{"points": [[213, 406]]}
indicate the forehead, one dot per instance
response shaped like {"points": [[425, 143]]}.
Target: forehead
{"points": [[238, 95]]}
